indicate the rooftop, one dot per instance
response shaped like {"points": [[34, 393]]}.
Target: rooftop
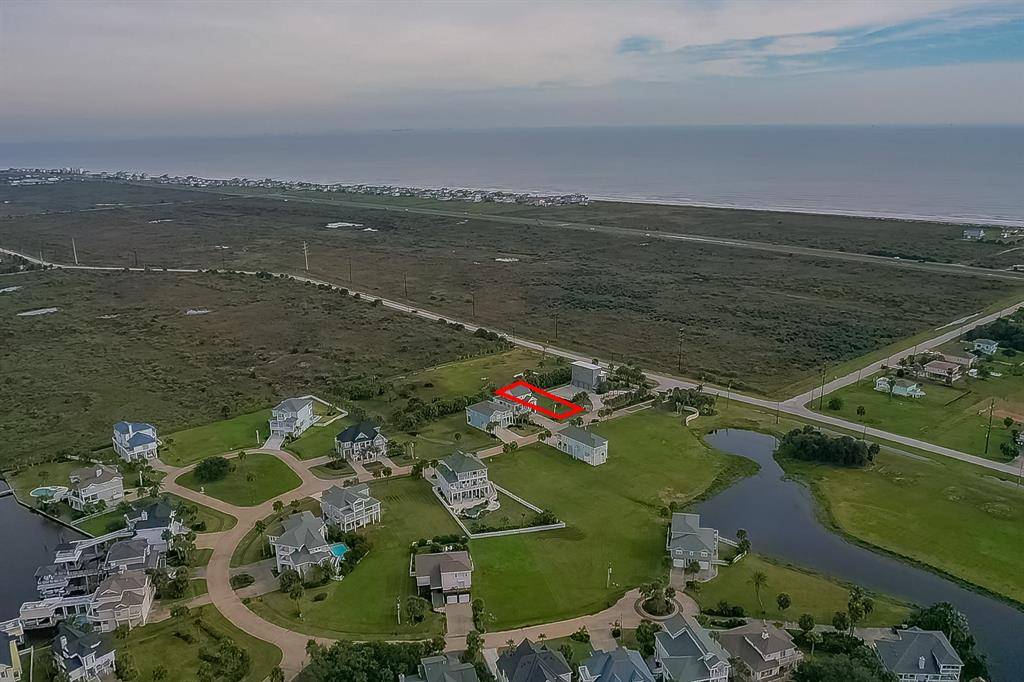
{"points": [[364, 430], [292, 404], [579, 435], [917, 652], [531, 662]]}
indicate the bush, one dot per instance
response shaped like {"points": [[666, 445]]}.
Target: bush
{"points": [[835, 404], [724, 608], [809, 444], [212, 469], [242, 580], [320, 596]]}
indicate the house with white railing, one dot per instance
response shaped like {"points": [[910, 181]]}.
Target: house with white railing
{"points": [[763, 651], [134, 441], [462, 481], [291, 417]]}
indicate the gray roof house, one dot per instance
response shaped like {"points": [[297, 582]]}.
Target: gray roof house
{"points": [[94, 484], [986, 346], [462, 481], [291, 417], [122, 599], [587, 376], [618, 665], [687, 542], [441, 669], [82, 655], [362, 442], [583, 445], [302, 544], [350, 508], [685, 652], [447, 575], [134, 440], [920, 656], [151, 521], [531, 662], [135, 554], [765, 651], [499, 413]]}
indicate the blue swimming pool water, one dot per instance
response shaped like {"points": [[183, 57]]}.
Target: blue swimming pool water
{"points": [[338, 549]]}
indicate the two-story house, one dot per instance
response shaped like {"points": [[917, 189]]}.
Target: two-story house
{"points": [[587, 376], [121, 599], [764, 651], [441, 669], [350, 508], [153, 521], [986, 346], [490, 414], [582, 445], [362, 442], [134, 441], [522, 394], [687, 542], [920, 656], [93, 484], [618, 665], [447, 576], [462, 481], [291, 417], [685, 652], [135, 554], [531, 662], [83, 655], [302, 544]]}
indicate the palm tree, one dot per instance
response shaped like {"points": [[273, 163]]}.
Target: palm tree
{"points": [[758, 579]]}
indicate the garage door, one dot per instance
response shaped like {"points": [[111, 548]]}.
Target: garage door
{"points": [[463, 598], [451, 599]]}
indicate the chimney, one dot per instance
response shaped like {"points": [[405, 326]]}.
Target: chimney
{"points": [[920, 662], [764, 629]]}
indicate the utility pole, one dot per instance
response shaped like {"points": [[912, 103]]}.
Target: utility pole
{"points": [[556, 326], [679, 353], [257, 437], [777, 405], [350, 269], [398, 609], [988, 433], [74, 250], [472, 294], [608, 580], [135, 254], [405, 283], [305, 255], [821, 398]]}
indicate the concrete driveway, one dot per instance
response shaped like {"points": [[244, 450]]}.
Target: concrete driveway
{"points": [[460, 619]]}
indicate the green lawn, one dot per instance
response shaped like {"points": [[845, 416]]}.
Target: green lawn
{"points": [[510, 514], [272, 477], [156, 645], [51, 473], [317, 441], [612, 517], [102, 524], [440, 438], [37, 666], [252, 546], [581, 651], [196, 588], [811, 593], [469, 376], [201, 557], [343, 470], [362, 606], [191, 445], [113, 520], [953, 416]]}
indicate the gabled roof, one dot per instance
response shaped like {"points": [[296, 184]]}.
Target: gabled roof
{"points": [[755, 641], [128, 428], [292, 404], [124, 550], [618, 665], [433, 565], [77, 644], [364, 430], [302, 530], [97, 474], [914, 646], [986, 342], [140, 439], [489, 408], [343, 498], [588, 438], [118, 584], [461, 463], [531, 662], [443, 669], [686, 534], [158, 514], [689, 652]]}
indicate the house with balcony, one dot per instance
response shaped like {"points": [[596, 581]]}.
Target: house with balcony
{"points": [[942, 371], [362, 442], [135, 554], [618, 665], [763, 651], [920, 656], [531, 662], [686, 652], [583, 445], [291, 417], [520, 393], [350, 508], [151, 521], [985, 346], [442, 668], [83, 655], [446, 576], [121, 599], [461, 479], [490, 414], [687, 541], [134, 441], [93, 484], [302, 544]]}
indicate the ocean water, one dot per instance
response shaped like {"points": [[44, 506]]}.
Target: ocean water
{"points": [[959, 174]]}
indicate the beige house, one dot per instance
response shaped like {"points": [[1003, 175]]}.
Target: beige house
{"points": [[350, 508], [447, 575], [93, 484], [123, 599], [762, 650]]}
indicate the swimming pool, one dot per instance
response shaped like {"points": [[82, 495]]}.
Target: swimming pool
{"points": [[338, 549], [49, 491]]}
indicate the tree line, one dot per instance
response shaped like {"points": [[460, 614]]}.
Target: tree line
{"points": [[811, 445]]}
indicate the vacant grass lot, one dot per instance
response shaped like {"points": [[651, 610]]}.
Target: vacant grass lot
{"points": [[953, 416], [121, 347], [811, 593], [269, 476], [757, 319], [440, 438], [611, 513], [362, 606], [317, 441], [155, 645], [191, 445]]}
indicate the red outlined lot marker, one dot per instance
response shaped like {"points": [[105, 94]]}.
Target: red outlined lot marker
{"points": [[571, 407]]}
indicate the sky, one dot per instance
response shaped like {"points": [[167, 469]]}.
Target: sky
{"points": [[97, 70]]}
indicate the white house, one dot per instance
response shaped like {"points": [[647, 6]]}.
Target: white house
{"points": [[83, 655], [973, 233], [902, 387], [447, 575], [520, 393], [986, 346], [685, 652], [490, 413], [687, 542], [121, 599], [134, 440], [462, 480], [151, 521], [362, 442], [764, 651], [350, 508], [583, 445], [587, 376], [291, 417], [93, 484], [920, 656], [302, 544]]}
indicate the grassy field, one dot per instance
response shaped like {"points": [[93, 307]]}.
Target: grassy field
{"points": [[317, 441], [954, 416], [611, 513], [156, 645], [191, 445], [124, 340], [963, 520], [362, 606], [344, 470], [440, 438], [811, 593], [581, 651], [469, 376], [760, 320], [270, 477]]}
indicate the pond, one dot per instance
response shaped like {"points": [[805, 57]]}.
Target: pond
{"points": [[780, 516], [28, 541]]}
